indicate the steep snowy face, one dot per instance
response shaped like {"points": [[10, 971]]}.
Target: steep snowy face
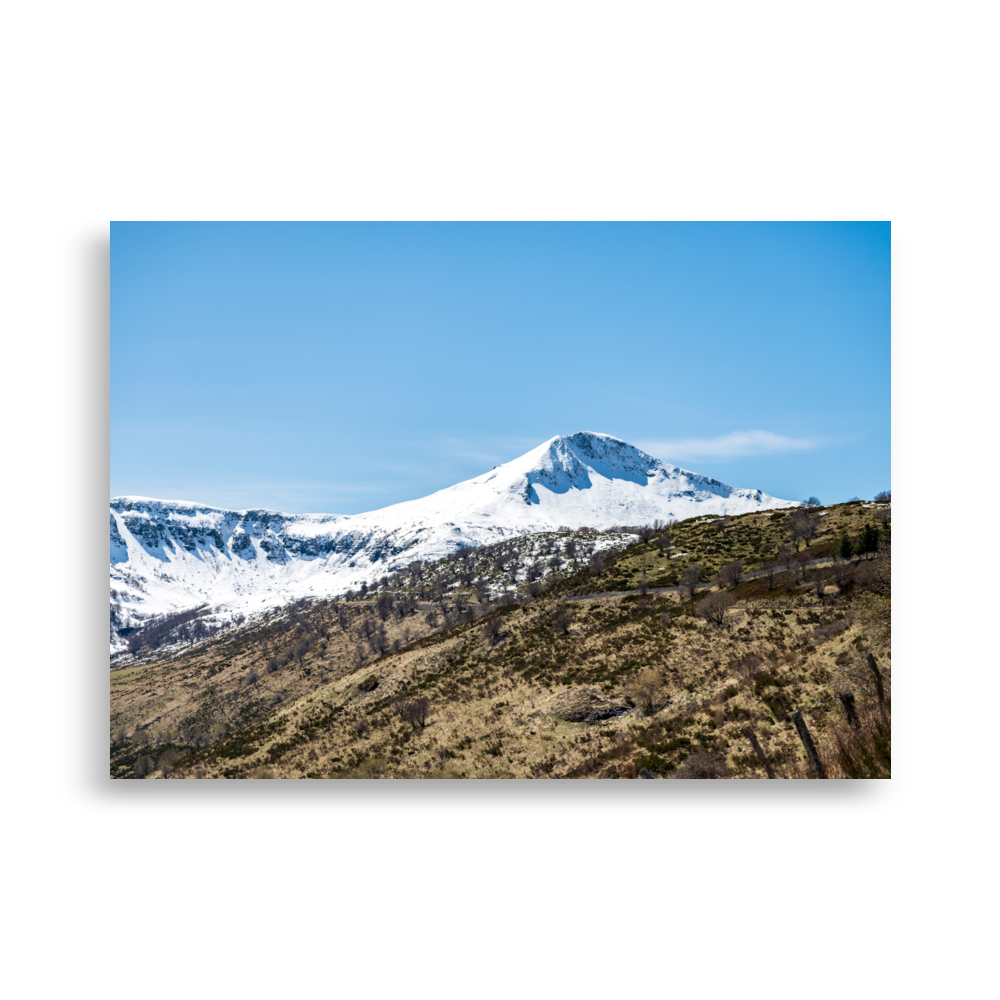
{"points": [[567, 462], [171, 555], [598, 480]]}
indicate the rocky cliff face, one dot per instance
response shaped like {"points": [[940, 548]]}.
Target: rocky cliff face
{"points": [[170, 555]]}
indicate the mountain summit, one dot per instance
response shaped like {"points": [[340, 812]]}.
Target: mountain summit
{"points": [[169, 555]]}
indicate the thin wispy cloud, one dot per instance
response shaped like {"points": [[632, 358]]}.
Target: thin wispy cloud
{"points": [[738, 444]]}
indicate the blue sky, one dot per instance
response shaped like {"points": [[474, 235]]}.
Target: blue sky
{"points": [[313, 367]]}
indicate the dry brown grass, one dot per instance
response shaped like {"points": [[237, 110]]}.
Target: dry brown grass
{"points": [[536, 703]]}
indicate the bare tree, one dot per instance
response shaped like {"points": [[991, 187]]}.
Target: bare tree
{"points": [[787, 558], [492, 628], [690, 579], [842, 572], [800, 565], [415, 712], [665, 543], [793, 523], [810, 527], [665, 619], [645, 532], [144, 766], [714, 608], [819, 584], [732, 573], [747, 670], [769, 574], [597, 562], [379, 641], [562, 619]]}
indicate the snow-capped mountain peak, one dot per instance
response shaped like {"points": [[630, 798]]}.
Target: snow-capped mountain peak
{"points": [[167, 555]]}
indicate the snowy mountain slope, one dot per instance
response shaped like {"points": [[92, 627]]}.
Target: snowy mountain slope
{"points": [[170, 555]]}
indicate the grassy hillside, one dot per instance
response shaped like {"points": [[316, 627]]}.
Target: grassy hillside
{"points": [[525, 659]]}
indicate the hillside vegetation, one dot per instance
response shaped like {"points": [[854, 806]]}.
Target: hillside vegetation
{"points": [[657, 650]]}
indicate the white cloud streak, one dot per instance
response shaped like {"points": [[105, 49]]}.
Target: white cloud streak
{"points": [[738, 444]]}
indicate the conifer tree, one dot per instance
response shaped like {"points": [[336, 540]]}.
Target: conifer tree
{"points": [[868, 542], [845, 547]]}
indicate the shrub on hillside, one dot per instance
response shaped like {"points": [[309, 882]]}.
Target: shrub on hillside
{"points": [[645, 690], [374, 767], [876, 574], [865, 751], [702, 764]]}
